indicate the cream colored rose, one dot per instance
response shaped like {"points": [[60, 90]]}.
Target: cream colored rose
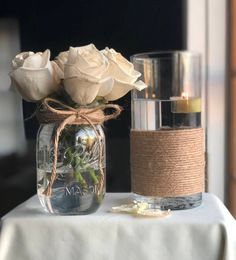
{"points": [[85, 74], [123, 73], [34, 76], [90, 73], [62, 59]]}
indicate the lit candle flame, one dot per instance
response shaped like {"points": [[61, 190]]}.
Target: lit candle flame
{"points": [[184, 95]]}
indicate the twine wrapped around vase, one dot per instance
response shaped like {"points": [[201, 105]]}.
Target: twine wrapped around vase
{"points": [[167, 163], [55, 111]]}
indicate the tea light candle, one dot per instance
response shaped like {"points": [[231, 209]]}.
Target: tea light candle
{"points": [[184, 104]]}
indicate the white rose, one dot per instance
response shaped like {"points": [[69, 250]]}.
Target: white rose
{"points": [[61, 59], [85, 74], [123, 73], [34, 76]]}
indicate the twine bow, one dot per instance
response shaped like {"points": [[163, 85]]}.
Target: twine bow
{"points": [[67, 115]]}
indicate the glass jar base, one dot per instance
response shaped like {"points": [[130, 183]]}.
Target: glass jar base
{"points": [[79, 205], [173, 203]]}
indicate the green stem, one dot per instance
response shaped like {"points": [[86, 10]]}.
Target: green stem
{"points": [[76, 165], [79, 178], [92, 176]]}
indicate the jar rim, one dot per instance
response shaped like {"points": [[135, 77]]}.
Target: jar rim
{"points": [[164, 55]]}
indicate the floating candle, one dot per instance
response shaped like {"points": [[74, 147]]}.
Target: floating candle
{"points": [[185, 104]]}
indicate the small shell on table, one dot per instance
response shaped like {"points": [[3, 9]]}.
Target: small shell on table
{"points": [[140, 209]]}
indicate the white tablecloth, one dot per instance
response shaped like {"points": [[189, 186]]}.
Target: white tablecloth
{"points": [[204, 233]]}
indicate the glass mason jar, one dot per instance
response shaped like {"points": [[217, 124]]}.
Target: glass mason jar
{"points": [[79, 186], [167, 139]]}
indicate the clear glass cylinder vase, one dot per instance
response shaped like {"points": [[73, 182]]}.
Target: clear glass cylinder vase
{"points": [[79, 185], [167, 138]]}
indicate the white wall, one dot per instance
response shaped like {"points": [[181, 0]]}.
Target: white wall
{"points": [[12, 137], [207, 33]]}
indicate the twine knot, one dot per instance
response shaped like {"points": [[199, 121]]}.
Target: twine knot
{"points": [[77, 115]]}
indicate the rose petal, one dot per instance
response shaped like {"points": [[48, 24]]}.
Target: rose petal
{"points": [[62, 59], [19, 59], [57, 72], [33, 85], [38, 60], [119, 67], [139, 85], [106, 87], [73, 71], [84, 91], [88, 59], [116, 71], [121, 88], [118, 58], [45, 58], [78, 55], [91, 55], [72, 55]]}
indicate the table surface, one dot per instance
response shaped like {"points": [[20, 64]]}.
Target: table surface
{"points": [[206, 232]]}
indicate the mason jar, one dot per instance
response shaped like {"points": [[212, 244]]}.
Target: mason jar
{"points": [[79, 184], [167, 137]]}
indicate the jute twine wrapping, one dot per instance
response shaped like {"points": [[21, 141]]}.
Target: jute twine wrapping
{"points": [[54, 111], [167, 163]]}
